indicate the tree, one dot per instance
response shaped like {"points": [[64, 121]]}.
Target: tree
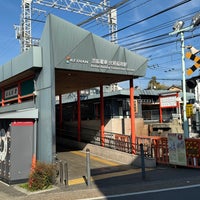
{"points": [[154, 85]]}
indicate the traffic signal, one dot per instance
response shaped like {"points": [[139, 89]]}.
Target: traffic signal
{"points": [[191, 83]]}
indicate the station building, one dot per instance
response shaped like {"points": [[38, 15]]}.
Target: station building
{"points": [[68, 59]]}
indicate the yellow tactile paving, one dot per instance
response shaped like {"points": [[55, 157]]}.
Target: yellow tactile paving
{"points": [[76, 181], [98, 159], [102, 176]]}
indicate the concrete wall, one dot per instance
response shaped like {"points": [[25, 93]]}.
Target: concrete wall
{"points": [[115, 125]]}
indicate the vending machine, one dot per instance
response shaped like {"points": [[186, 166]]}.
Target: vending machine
{"points": [[16, 150]]}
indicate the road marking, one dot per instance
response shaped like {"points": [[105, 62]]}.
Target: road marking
{"points": [[98, 177], [143, 192], [76, 181], [98, 159], [103, 176]]}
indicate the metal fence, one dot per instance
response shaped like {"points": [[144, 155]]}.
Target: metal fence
{"points": [[112, 140]]}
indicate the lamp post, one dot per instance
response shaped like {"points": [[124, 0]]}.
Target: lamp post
{"points": [[178, 29]]}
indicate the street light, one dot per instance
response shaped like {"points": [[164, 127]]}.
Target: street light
{"points": [[178, 29]]}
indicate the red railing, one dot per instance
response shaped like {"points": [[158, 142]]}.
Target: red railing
{"points": [[16, 100], [160, 151], [193, 152]]}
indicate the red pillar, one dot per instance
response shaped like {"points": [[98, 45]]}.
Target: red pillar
{"points": [[160, 109], [132, 112], [3, 97], [60, 112], [102, 117], [19, 93], [79, 115]]}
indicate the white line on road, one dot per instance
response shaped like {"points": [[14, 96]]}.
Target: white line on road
{"points": [[143, 192]]}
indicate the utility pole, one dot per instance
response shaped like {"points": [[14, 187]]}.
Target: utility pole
{"points": [[178, 29]]}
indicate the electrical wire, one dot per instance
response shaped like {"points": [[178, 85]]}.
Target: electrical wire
{"points": [[131, 9], [156, 28], [131, 41], [147, 18], [102, 13], [164, 43]]}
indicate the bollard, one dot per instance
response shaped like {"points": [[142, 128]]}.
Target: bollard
{"points": [[61, 171], [88, 173], [65, 173], [142, 161]]}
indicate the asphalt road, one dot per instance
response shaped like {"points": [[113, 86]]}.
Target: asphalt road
{"points": [[183, 193], [111, 180]]}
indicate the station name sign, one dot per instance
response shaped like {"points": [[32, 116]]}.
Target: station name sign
{"points": [[99, 63], [12, 92], [108, 64], [17, 92]]}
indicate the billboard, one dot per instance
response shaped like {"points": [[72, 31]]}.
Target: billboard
{"points": [[177, 151]]}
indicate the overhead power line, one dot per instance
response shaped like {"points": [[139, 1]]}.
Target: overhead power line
{"points": [[130, 9], [147, 18], [102, 13], [93, 24], [155, 38], [156, 28], [164, 43]]}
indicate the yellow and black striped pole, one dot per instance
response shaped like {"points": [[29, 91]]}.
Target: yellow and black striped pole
{"points": [[196, 59]]}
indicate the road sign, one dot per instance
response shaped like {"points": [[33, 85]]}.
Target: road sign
{"points": [[189, 110], [196, 59]]}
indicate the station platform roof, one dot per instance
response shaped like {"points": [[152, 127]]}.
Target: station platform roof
{"points": [[77, 58]]}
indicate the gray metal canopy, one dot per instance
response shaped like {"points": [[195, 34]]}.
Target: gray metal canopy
{"points": [[83, 60], [78, 59]]}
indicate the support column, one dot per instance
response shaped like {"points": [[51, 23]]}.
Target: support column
{"points": [[3, 97], [19, 93], [60, 112], [79, 115], [102, 139], [132, 112], [160, 109], [34, 156]]}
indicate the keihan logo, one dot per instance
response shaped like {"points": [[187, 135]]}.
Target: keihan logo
{"points": [[67, 58]]}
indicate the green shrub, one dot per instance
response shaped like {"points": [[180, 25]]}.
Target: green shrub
{"points": [[42, 177]]}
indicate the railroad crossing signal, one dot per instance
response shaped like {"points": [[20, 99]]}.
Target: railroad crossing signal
{"points": [[196, 59]]}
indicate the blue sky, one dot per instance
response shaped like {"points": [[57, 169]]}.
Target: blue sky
{"points": [[164, 60]]}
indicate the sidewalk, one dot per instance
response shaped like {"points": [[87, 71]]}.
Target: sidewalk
{"points": [[107, 178]]}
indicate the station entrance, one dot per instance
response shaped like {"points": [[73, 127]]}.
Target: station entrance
{"points": [[68, 59]]}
